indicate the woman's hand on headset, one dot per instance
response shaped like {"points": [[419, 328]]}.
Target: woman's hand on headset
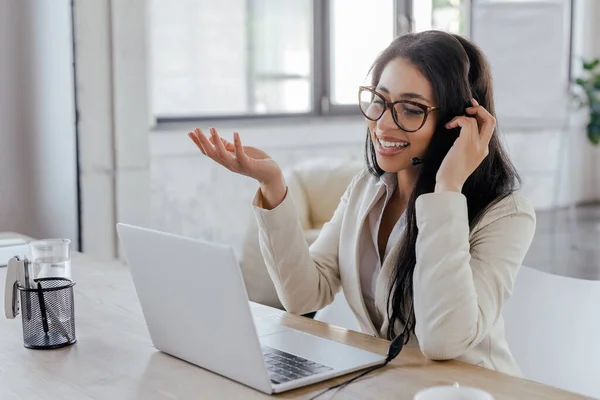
{"points": [[244, 160], [469, 149]]}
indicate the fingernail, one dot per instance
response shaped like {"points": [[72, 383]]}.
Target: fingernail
{"points": [[475, 102]]}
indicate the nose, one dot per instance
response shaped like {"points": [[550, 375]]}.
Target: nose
{"points": [[386, 121]]}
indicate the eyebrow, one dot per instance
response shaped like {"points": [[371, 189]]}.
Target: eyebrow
{"points": [[409, 95]]}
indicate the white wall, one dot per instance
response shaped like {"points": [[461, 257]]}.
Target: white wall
{"points": [[114, 120], [15, 203], [587, 34], [527, 45], [38, 178], [96, 141]]}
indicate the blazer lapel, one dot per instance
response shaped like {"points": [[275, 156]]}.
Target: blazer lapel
{"points": [[354, 295]]}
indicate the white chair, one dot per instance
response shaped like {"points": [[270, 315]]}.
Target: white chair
{"points": [[553, 329], [339, 313]]}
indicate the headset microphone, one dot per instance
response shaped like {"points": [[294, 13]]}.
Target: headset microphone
{"points": [[417, 161]]}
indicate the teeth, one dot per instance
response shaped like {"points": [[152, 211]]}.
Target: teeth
{"points": [[393, 144]]}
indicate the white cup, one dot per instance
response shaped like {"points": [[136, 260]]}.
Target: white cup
{"points": [[452, 393]]}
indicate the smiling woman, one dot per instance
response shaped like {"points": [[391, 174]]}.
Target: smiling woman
{"points": [[425, 251]]}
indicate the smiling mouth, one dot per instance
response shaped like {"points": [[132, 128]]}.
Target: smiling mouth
{"points": [[388, 148], [392, 144]]}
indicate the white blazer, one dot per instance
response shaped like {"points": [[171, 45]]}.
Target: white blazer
{"points": [[463, 275]]}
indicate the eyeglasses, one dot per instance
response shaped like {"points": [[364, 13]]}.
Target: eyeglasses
{"points": [[408, 115]]}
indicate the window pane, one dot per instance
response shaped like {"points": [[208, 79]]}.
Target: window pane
{"points": [[282, 96], [282, 36], [446, 15], [230, 57], [360, 30]]}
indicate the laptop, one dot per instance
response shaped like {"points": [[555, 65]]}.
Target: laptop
{"points": [[196, 308]]}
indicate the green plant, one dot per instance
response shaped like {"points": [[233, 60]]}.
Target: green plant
{"points": [[591, 97]]}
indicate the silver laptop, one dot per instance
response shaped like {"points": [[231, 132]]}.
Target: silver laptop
{"points": [[196, 308]]}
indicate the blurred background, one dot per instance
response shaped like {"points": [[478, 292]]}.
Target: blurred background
{"points": [[97, 97]]}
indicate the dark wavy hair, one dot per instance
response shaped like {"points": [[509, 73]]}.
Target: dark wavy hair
{"points": [[457, 71]]}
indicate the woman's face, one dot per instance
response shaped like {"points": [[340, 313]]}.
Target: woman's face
{"points": [[394, 147]]}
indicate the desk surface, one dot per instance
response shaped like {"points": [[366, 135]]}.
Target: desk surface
{"points": [[114, 357]]}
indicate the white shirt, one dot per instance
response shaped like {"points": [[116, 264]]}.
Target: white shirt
{"points": [[370, 259]]}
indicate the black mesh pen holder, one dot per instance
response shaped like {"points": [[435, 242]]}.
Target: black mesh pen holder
{"points": [[48, 314]]}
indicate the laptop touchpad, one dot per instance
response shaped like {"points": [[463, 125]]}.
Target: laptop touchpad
{"points": [[265, 328]]}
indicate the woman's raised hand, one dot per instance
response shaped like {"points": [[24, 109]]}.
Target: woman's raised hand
{"points": [[244, 160], [469, 149]]}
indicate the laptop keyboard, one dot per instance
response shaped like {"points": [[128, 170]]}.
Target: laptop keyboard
{"points": [[284, 367]]}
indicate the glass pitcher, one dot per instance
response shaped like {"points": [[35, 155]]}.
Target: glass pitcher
{"points": [[51, 258]]}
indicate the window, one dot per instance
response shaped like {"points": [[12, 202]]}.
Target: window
{"points": [[249, 58], [445, 15], [241, 58], [352, 33], [279, 56]]}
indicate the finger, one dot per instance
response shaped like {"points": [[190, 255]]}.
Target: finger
{"points": [[468, 127], [209, 150], [240, 154], [192, 136], [228, 145], [475, 129], [479, 112], [461, 121], [217, 142], [202, 143], [222, 153], [486, 121], [205, 145]]}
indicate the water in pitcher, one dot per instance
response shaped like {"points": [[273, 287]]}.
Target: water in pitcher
{"points": [[50, 267]]}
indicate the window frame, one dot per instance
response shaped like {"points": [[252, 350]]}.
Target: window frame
{"points": [[321, 105]]}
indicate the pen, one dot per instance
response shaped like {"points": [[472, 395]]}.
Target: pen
{"points": [[27, 286]]}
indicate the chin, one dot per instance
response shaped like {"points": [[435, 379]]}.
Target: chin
{"points": [[394, 164]]}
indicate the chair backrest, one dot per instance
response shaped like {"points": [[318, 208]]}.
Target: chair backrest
{"points": [[339, 313], [553, 329], [317, 185]]}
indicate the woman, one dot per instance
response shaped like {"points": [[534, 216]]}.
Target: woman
{"points": [[431, 235]]}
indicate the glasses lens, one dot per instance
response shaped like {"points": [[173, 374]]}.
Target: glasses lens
{"points": [[409, 116], [371, 105]]}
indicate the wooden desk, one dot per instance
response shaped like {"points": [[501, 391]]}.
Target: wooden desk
{"points": [[114, 358]]}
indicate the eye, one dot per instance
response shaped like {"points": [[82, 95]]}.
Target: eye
{"points": [[413, 110], [377, 101]]}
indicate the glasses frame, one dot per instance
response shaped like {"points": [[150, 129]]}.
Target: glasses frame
{"points": [[390, 106]]}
